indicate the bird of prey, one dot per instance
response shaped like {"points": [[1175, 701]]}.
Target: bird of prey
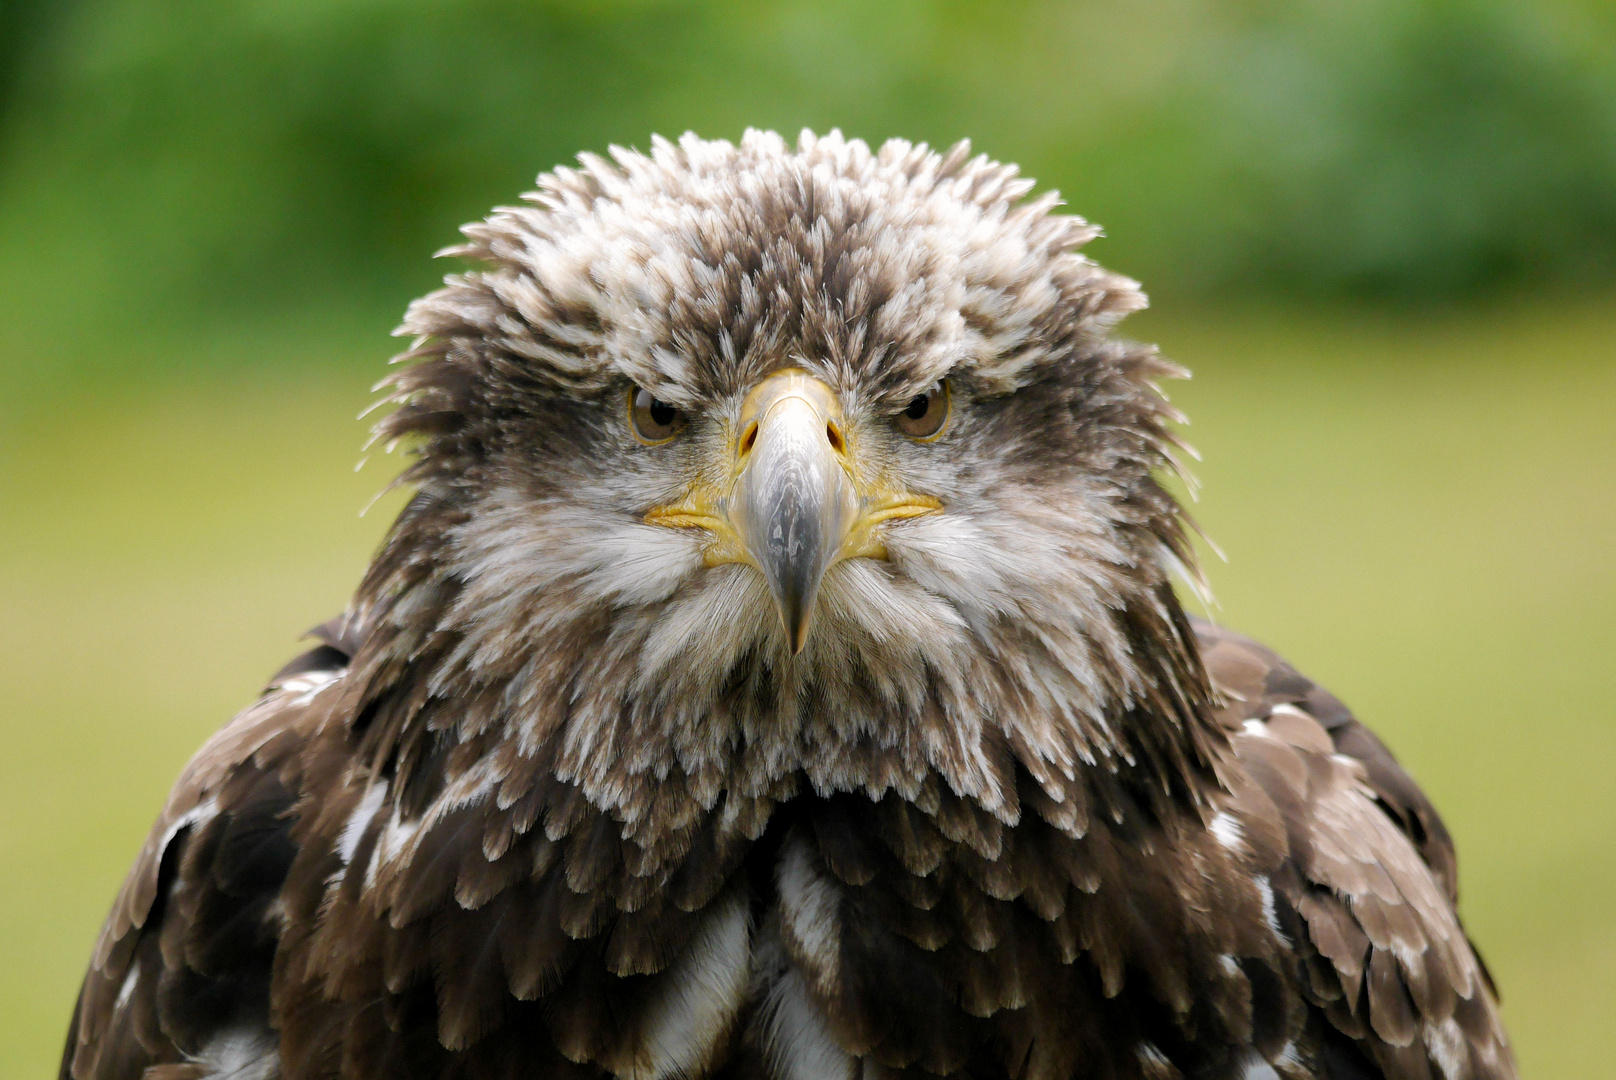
{"points": [[778, 675]]}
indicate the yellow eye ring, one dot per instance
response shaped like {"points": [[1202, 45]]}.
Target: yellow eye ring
{"points": [[653, 420], [926, 415]]}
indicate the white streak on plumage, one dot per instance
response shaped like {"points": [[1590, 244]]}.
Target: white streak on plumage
{"points": [[240, 1053], [700, 997], [128, 988], [1265, 890], [1226, 828], [354, 829], [810, 909], [1257, 1069], [201, 813], [1446, 1043], [797, 1041], [309, 684]]}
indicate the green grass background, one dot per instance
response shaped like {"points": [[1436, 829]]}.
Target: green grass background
{"points": [[1426, 529]]}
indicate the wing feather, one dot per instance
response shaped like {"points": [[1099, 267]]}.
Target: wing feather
{"points": [[182, 966], [1373, 882]]}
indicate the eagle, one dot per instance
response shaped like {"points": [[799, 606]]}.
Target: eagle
{"points": [[778, 674]]}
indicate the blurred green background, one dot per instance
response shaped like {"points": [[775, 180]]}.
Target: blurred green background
{"points": [[1382, 232]]}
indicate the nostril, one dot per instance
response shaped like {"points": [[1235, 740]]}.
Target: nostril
{"points": [[834, 437], [749, 438]]}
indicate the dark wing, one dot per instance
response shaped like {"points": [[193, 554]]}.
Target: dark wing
{"points": [[179, 983], [1367, 883]]}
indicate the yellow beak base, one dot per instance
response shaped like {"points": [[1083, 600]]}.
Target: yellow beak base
{"points": [[795, 505]]}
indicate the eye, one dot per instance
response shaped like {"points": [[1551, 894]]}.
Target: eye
{"points": [[654, 420], [925, 415]]}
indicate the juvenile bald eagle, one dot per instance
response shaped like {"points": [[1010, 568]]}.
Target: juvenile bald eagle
{"points": [[778, 675]]}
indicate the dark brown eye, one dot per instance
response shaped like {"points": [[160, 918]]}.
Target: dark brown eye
{"points": [[925, 415], [654, 420]]}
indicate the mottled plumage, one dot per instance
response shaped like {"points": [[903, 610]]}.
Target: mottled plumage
{"points": [[632, 756]]}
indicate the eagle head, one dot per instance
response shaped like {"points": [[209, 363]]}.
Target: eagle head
{"points": [[778, 461]]}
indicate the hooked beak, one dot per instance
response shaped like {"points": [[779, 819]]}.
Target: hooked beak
{"points": [[796, 505], [794, 502]]}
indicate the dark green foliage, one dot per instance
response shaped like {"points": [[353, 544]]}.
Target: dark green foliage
{"points": [[165, 161]]}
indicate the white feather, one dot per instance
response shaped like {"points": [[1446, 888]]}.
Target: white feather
{"points": [[1227, 830], [354, 829], [797, 1041], [240, 1053], [809, 906], [702, 994]]}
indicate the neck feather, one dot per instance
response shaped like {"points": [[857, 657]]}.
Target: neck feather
{"points": [[1109, 714]]}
